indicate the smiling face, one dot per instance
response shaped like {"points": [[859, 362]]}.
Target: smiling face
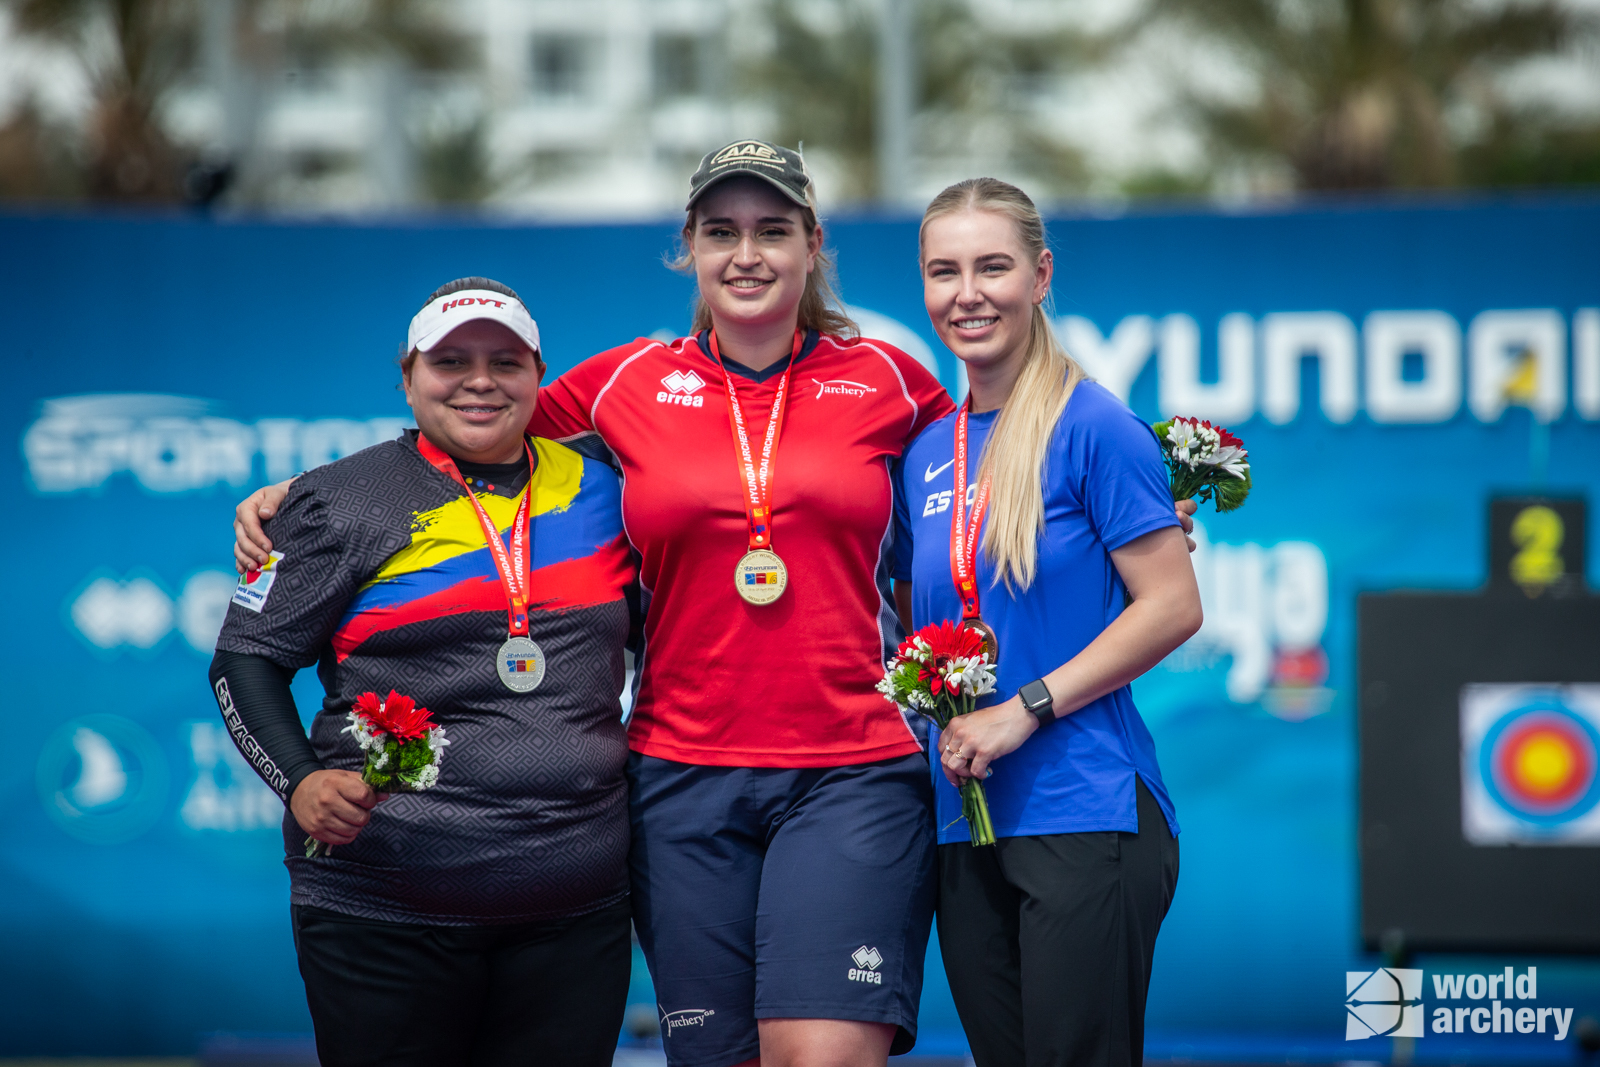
{"points": [[751, 253], [980, 286], [474, 392]]}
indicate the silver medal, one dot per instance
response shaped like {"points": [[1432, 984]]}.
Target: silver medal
{"points": [[520, 664]]}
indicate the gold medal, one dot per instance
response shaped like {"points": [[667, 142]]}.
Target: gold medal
{"points": [[760, 577]]}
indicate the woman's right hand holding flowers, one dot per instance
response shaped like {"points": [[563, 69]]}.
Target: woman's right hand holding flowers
{"points": [[333, 806]]}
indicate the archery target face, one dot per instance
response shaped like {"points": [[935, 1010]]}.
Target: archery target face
{"points": [[1530, 764]]}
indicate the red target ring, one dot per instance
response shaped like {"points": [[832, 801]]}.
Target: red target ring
{"points": [[1542, 763]]}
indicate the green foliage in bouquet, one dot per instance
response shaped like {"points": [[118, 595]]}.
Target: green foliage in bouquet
{"points": [[1205, 462], [941, 671], [403, 746], [399, 767]]}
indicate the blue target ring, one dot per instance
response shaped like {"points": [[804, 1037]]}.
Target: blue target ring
{"points": [[1527, 715]]}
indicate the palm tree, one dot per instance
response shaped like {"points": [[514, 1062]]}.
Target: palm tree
{"points": [[154, 44], [971, 98], [36, 162], [129, 156], [1355, 94]]}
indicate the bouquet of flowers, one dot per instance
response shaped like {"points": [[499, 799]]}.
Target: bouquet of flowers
{"points": [[404, 748], [941, 671], [1205, 462]]}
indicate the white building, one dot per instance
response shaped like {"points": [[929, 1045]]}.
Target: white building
{"points": [[598, 108], [601, 108]]}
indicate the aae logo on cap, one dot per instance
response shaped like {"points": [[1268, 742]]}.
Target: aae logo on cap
{"points": [[1386, 1002], [747, 152]]}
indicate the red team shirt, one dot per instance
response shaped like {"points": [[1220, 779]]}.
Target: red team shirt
{"points": [[723, 682]]}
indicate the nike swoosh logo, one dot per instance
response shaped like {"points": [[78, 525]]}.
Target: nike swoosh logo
{"points": [[932, 474]]}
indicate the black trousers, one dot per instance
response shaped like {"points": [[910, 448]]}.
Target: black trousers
{"points": [[1048, 941], [395, 995]]}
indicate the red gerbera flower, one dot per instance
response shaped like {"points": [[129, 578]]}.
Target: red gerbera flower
{"points": [[397, 716], [948, 639]]}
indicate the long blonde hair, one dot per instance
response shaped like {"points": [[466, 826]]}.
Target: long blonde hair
{"points": [[1013, 457], [820, 308]]}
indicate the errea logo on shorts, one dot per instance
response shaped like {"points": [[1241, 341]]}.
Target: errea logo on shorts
{"points": [[680, 389], [866, 968]]}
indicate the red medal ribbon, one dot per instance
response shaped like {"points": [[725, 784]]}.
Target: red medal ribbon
{"points": [[757, 480], [964, 537], [512, 566]]}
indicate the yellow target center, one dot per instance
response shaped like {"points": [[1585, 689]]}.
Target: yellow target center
{"points": [[1545, 763]]}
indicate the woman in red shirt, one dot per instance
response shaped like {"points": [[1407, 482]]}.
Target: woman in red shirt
{"points": [[782, 851]]}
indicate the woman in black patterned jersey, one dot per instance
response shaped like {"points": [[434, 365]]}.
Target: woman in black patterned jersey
{"points": [[486, 920]]}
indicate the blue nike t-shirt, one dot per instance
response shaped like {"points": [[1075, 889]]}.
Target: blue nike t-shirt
{"points": [[1105, 484]]}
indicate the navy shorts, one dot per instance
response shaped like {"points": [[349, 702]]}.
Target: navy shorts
{"points": [[778, 893]]}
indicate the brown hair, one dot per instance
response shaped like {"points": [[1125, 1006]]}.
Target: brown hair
{"points": [[1014, 456], [820, 307]]}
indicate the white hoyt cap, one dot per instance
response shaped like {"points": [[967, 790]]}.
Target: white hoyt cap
{"points": [[445, 313]]}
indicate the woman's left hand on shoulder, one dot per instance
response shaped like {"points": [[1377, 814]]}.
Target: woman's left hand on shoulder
{"points": [[974, 741]]}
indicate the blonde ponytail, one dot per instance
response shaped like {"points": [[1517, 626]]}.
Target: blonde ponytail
{"points": [[1013, 457]]}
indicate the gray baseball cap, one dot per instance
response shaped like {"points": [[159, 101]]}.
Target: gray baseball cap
{"points": [[780, 167]]}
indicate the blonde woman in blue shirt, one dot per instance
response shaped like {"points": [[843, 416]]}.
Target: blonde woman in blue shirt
{"points": [[1047, 935]]}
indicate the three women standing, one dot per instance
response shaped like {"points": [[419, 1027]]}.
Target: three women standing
{"points": [[782, 858]]}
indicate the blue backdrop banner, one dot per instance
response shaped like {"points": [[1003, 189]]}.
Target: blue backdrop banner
{"points": [[1389, 367]]}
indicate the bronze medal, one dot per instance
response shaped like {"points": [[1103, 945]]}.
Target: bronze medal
{"points": [[991, 643]]}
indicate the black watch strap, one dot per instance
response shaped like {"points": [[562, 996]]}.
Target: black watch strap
{"points": [[1037, 699]]}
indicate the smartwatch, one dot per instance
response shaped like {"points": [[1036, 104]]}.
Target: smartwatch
{"points": [[1037, 699]]}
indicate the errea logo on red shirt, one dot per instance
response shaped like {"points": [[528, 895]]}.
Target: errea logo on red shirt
{"points": [[680, 388]]}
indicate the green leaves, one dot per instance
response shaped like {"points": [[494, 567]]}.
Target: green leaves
{"points": [[1231, 492], [401, 765], [1353, 94]]}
